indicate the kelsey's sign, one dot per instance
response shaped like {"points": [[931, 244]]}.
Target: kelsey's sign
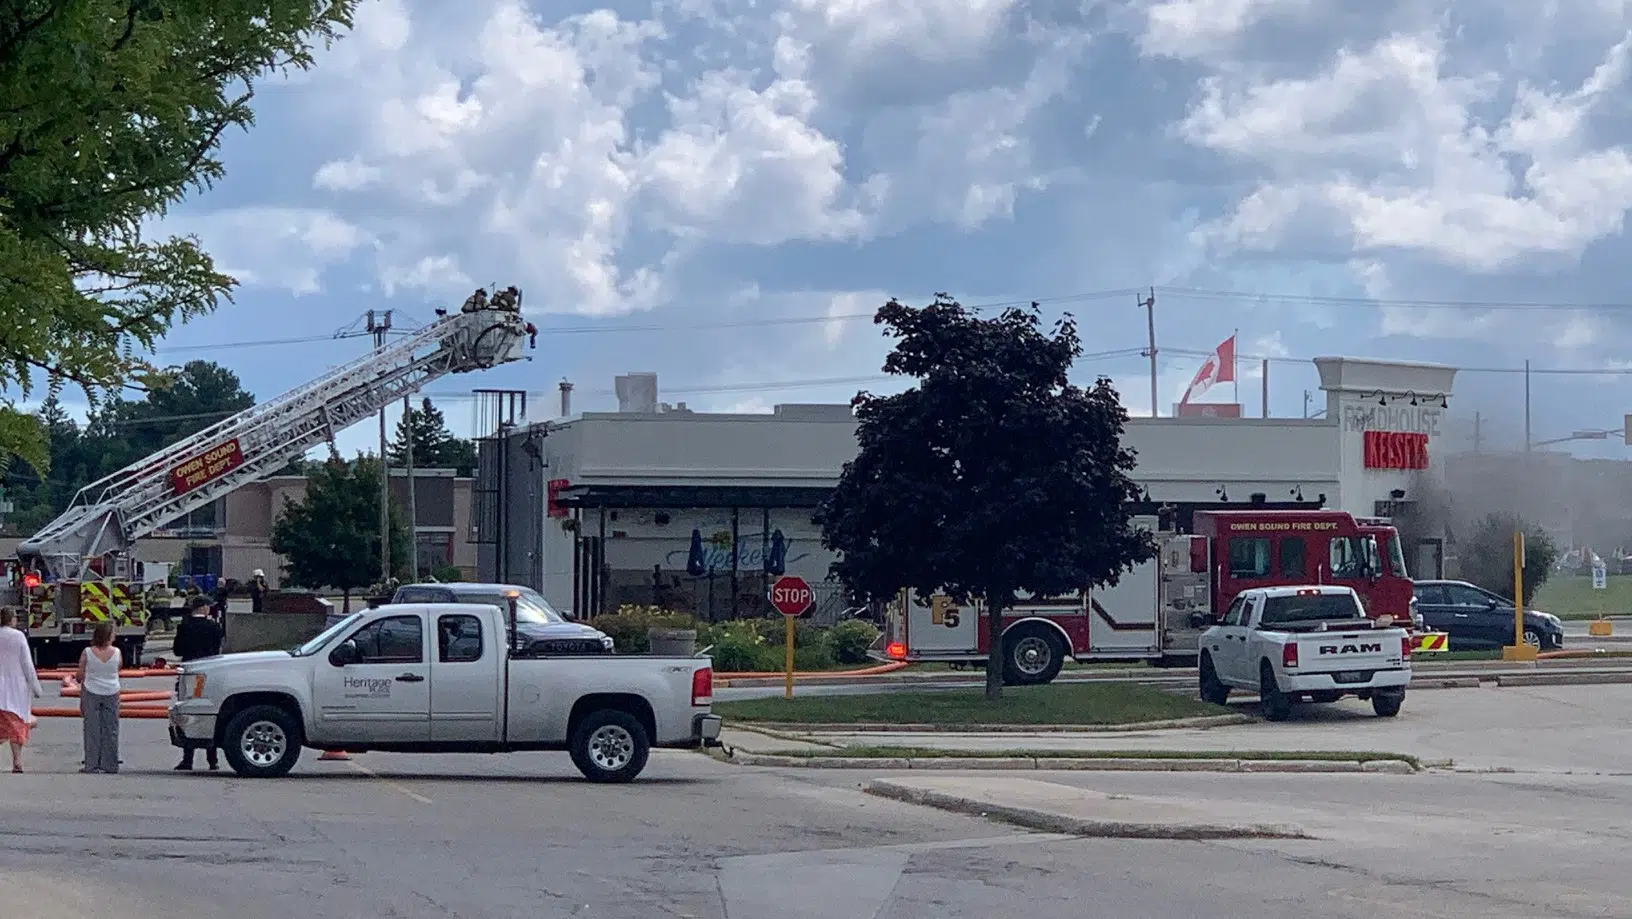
{"points": [[1395, 450]]}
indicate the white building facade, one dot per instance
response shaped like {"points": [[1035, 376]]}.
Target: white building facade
{"points": [[695, 511]]}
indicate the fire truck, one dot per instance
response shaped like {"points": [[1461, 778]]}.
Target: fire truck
{"points": [[78, 570], [1147, 615]]}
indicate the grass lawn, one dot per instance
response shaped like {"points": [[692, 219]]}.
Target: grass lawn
{"points": [[1059, 703], [1324, 756], [1572, 597]]}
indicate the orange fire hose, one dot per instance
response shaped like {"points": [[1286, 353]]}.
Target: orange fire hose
{"points": [[126, 695], [816, 674], [125, 711], [136, 674]]}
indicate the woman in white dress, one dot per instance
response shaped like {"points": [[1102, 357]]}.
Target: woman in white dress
{"points": [[19, 687]]}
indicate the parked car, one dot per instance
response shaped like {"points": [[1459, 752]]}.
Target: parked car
{"points": [[545, 629], [1477, 619]]}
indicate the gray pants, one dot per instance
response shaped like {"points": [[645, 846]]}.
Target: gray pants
{"points": [[100, 715]]}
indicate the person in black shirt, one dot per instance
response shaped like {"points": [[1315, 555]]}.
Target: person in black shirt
{"points": [[197, 637]]}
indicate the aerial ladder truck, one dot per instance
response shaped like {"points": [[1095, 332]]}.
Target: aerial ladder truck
{"points": [[78, 570]]}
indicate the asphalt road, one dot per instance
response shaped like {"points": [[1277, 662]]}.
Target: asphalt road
{"points": [[475, 837]]}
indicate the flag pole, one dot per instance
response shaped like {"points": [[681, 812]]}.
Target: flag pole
{"points": [[1235, 364]]}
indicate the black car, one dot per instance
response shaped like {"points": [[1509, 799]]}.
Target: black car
{"points": [[544, 630], [1477, 619]]}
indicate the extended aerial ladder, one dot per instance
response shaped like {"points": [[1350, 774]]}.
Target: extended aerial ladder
{"points": [[106, 517]]}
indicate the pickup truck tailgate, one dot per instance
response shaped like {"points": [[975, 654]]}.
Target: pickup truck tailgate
{"points": [[1344, 653]]}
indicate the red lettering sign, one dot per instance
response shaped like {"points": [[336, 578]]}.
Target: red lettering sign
{"points": [[206, 467], [552, 497], [1395, 450]]}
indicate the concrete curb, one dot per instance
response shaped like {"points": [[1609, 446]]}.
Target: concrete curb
{"points": [[1075, 764], [794, 729], [1047, 822]]}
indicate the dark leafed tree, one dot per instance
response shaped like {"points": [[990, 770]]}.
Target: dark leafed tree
{"points": [[1486, 555], [435, 447], [331, 538], [993, 476], [188, 400], [113, 111]]}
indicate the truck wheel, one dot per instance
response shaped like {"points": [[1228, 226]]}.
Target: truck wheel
{"points": [[262, 742], [1387, 705], [1031, 656], [1213, 690], [1277, 705], [610, 746]]}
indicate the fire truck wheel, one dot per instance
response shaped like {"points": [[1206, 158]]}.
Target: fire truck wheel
{"points": [[1277, 705], [1213, 690], [1032, 655]]}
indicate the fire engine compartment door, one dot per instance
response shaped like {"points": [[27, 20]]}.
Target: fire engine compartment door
{"points": [[941, 627], [1123, 618]]}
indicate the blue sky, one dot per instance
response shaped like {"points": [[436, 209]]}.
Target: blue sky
{"points": [[691, 187]]}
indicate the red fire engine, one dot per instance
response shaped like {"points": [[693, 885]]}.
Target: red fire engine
{"points": [[1147, 615]]}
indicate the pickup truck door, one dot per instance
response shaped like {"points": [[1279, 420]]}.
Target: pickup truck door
{"points": [[385, 697], [1229, 646], [465, 683]]}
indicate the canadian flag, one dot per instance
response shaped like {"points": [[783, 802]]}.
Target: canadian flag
{"points": [[1219, 368]]}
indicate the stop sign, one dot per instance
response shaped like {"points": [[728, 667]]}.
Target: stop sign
{"points": [[791, 596]]}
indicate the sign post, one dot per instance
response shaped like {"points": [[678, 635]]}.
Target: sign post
{"points": [[790, 596], [1520, 651]]}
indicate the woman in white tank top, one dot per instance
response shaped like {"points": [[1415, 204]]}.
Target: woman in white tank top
{"points": [[99, 701]]}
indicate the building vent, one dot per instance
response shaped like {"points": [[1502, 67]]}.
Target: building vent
{"points": [[637, 392]]}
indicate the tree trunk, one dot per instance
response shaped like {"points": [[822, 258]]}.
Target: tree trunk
{"points": [[994, 647], [345, 602]]}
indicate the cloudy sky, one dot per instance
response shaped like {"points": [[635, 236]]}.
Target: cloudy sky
{"points": [[721, 192]]}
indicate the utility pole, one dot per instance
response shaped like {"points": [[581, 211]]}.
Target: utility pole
{"points": [[378, 325], [1527, 406], [413, 506], [1477, 419], [1264, 377], [1149, 303], [1306, 403]]}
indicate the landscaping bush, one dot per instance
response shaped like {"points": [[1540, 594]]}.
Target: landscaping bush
{"points": [[628, 626], [738, 647], [849, 640]]}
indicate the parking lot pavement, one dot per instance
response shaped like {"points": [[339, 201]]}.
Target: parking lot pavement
{"points": [[496, 837], [1581, 729]]}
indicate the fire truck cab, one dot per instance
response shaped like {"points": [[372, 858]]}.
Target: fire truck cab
{"points": [[1148, 615]]}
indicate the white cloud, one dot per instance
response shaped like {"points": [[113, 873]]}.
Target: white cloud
{"points": [[277, 247], [1205, 28], [1385, 150], [346, 175]]}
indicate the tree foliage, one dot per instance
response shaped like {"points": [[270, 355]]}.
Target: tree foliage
{"points": [[113, 111], [331, 537], [1486, 555], [993, 476], [435, 447]]}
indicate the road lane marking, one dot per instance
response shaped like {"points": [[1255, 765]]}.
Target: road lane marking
{"points": [[394, 786]]}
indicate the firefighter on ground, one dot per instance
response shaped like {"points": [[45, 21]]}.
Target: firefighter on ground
{"points": [[158, 600], [257, 591]]}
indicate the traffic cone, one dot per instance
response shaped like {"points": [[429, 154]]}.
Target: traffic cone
{"points": [[334, 755]]}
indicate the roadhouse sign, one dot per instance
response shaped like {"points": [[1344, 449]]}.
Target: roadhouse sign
{"points": [[211, 465], [1395, 450]]}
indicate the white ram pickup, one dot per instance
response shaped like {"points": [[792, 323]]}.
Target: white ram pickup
{"points": [[441, 678], [1295, 644]]}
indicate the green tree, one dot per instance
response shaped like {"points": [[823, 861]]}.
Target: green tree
{"points": [[113, 111], [331, 537], [1486, 556], [192, 397], [435, 447], [993, 476]]}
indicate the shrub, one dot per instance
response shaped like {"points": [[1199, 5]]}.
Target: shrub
{"points": [[738, 647], [628, 626], [849, 641]]}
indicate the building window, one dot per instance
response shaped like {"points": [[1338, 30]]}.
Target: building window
{"points": [[1293, 554], [1249, 558], [434, 551]]}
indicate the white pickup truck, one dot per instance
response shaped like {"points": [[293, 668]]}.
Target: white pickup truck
{"points": [[440, 678], [1291, 644]]}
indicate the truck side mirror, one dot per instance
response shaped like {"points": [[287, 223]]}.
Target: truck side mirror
{"points": [[346, 654]]}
